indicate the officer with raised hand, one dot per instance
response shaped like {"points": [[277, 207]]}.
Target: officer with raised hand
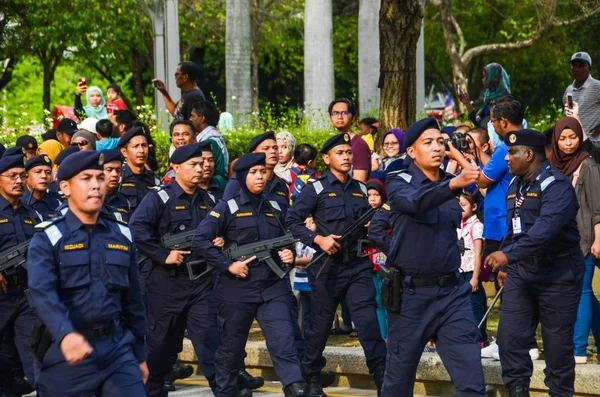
{"points": [[425, 259], [174, 301], [136, 180], [335, 200], [39, 178], [113, 167], [17, 221], [84, 283], [248, 289], [541, 267]]}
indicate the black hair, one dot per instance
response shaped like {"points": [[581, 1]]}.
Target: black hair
{"points": [[191, 69], [509, 108], [348, 102], [540, 152], [104, 128], [304, 153], [116, 88], [181, 122], [472, 197], [370, 121], [209, 111], [483, 134], [549, 134], [125, 117]]}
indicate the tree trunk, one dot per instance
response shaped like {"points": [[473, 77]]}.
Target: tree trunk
{"points": [[137, 68], [368, 57], [238, 55], [318, 61], [6, 75], [399, 30], [48, 76]]}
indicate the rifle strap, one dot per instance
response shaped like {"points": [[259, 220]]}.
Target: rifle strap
{"points": [[272, 205]]}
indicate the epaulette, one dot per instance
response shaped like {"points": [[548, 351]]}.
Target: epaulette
{"points": [[233, 207], [51, 229], [402, 174], [546, 182], [363, 188], [317, 184], [125, 230], [386, 207], [43, 225], [164, 196]]}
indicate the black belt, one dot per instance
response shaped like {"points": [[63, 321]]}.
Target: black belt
{"points": [[443, 281], [100, 332], [546, 259]]}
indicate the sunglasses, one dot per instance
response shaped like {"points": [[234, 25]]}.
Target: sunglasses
{"points": [[81, 143]]}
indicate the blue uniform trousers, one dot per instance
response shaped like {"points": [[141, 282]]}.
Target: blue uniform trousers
{"points": [[443, 314], [550, 297], [235, 320], [174, 303], [354, 284], [17, 319], [110, 371]]}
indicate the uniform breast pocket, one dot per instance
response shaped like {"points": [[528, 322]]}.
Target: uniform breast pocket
{"points": [[7, 234], [74, 269], [117, 269], [246, 229], [334, 209], [131, 193], [181, 220]]}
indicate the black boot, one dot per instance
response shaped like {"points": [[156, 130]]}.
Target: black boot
{"points": [[298, 389], [247, 381], [244, 393], [181, 371], [315, 388], [378, 374], [169, 385], [518, 391], [327, 378]]}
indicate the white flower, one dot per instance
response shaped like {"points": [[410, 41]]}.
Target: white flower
{"points": [[24, 113], [233, 97]]}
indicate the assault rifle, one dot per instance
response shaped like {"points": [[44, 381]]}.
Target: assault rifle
{"points": [[183, 241], [14, 258], [352, 235], [262, 250]]}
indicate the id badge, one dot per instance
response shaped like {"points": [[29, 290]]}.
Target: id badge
{"points": [[516, 225]]}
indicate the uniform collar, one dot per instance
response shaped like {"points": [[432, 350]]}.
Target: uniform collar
{"points": [[331, 178], [421, 178], [537, 174], [127, 171], [178, 190], [75, 224], [4, 204]]}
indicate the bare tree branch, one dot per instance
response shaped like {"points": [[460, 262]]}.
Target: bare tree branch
{"points": [[461, 37]]}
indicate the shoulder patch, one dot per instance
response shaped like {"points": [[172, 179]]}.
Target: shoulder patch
{"points": [[386, 207], [363, 188], [318, 186], [546, 182], [275, 205], [164, 196], [126, 232], [233, 207], [215, 214], [54, 234]]}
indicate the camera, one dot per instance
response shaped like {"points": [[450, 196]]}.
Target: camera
{"points": [[458, 140]]}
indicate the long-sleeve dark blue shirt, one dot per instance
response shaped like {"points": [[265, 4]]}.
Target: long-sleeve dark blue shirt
{"points": [[46, 206], [136, 186]]}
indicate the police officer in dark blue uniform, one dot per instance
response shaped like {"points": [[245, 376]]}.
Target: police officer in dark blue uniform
{"points": [[84, 283], [58, 161], [174, 301], [17, 318], [542, 268], [248, 289], [423, 250], [113, 167], [39, 177], [335, 200], [137, 179]]}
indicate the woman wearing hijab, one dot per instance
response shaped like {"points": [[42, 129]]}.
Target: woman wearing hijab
{"points": [[393, 147], [50, 148], [247, 288], [286, 144], [96, 105], [569, 158], [85, 140]]}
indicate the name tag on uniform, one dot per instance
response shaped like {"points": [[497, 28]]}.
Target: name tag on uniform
{"points": [[516, 224]]}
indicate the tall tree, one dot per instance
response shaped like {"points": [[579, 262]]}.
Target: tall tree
{"points": [[399, 30], [318, 60], [238, 52], [368, 56]]}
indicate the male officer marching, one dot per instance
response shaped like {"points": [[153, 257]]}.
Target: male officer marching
{"points": [[175, 301], [113, 168], [334, 201], [424, 252], [541, 267], [84, 283], [39, 178]]}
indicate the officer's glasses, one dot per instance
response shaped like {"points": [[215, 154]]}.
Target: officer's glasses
{"points": [[15, 176]]}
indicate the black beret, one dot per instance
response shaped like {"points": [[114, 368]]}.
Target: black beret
{"points": [[78, 162], [15, 161], [336, 140], [13, 151], [67, 126], [28, 142], [38, 160], [64, 153], [248, 161], [186, 152], [527, 137], [126, 137], [257, 140], [416, 129], [112, 155]]}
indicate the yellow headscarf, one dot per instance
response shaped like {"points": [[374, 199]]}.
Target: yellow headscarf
{"points": [[51, 148]]}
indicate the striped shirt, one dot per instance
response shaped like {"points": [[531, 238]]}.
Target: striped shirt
{"points": [[300, 276], [588, 98]]}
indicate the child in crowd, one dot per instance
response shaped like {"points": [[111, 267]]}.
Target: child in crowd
{"points": [[377, 199], [304, 255], [305, 157], [113, 93], [470, 237], [368, 131]]}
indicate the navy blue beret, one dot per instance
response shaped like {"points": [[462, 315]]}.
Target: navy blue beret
{"points": [[126, 137], [416, 129], [14, 161], [64, 153], [78, 162], [186, 152], [257, 140], [248, 161], [338, 139], [112, 155], [37, 161], [527, 137], [15, 150]]}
